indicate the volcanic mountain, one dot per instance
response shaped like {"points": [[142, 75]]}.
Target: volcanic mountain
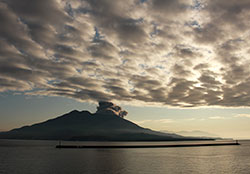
{"points": [[107, 124]]}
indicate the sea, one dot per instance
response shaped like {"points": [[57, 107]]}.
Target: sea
{"points": [[41, 157]]}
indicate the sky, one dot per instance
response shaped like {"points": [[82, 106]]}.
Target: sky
{"points": [[172, 64]]}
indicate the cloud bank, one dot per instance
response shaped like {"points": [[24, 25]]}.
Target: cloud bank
{"points": [[184, 53]]}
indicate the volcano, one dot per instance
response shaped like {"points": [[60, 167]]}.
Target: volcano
{"points": [[104, 125]]}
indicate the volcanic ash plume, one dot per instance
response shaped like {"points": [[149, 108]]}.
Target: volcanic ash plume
{"points": [[110, 108]]}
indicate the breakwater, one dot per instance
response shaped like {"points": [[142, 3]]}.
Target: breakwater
{"points": [[147, 146]]}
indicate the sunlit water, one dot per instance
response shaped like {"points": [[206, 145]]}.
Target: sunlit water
{"points": [[41, 157]]}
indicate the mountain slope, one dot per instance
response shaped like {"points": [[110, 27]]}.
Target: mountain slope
{"points": [[86, 126], [197, 133]]}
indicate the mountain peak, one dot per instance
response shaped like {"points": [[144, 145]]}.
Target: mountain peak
{"points": [[107, 124], [74, 111]]}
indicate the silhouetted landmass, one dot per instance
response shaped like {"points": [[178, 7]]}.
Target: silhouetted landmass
{"points": [[195, 133], [89, 127]]}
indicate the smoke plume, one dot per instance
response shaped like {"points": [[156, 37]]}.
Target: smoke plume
{"points": [[110, 108]]}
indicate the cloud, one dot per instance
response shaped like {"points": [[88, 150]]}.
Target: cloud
{"points": [[160, 121], [217, 118], [168, 52], [242, 116]]}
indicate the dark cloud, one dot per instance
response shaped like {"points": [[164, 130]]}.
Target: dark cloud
{"points": [[225, 19], [229, 12], [13, 84], [180, 70], [40, 18], [102, 49], [119, 92], [209, 33], [171, 52], [201, 66], [170, 6], [208, 80], [112, 18], [184, 91], [144, 82]]}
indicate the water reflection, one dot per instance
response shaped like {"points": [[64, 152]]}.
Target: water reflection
{"points": [[42, 157]]}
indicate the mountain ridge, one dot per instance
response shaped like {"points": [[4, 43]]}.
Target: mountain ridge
{"points": [[107, 124]]}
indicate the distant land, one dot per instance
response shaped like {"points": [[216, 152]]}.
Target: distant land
{"points": [[194, 133], [107, 124], [197, 133]]}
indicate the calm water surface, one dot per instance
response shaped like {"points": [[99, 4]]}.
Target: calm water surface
{"points": [[41, 157]]}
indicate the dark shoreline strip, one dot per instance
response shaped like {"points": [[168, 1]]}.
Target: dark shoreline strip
{"points": [[145, 146]]}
